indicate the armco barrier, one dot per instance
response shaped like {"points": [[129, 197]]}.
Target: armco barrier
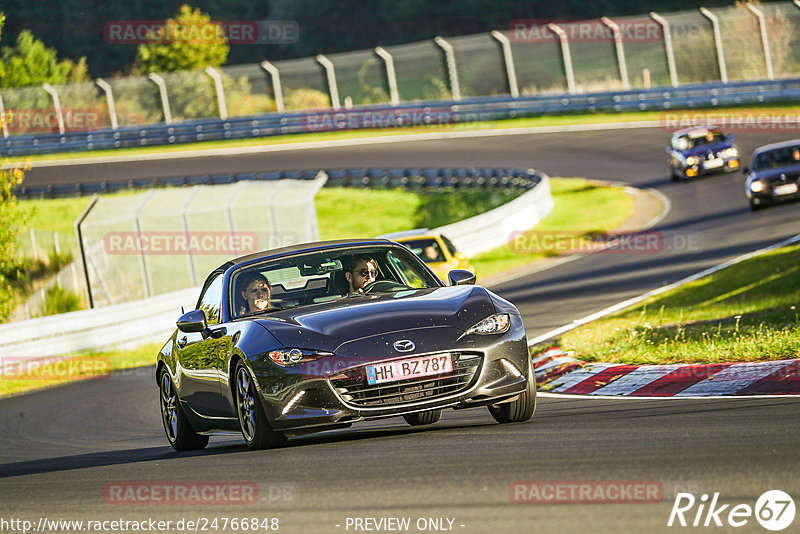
{"points": [[153, 319], [428, 113], [411, 179]]}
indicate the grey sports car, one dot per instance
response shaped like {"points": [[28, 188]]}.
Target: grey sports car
{"points": [[285, 342]]}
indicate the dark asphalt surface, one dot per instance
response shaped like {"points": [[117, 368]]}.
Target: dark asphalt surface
{"points": [[59, 448]]}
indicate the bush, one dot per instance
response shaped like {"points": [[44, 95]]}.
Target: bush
{"points": [[305, 98], [59, 300]]}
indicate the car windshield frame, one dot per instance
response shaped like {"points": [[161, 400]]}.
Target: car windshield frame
{"points": [[696, 139], [311, 277]]}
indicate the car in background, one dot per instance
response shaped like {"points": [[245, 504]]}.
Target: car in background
{"points": [[434, 249], [697, 151], [317, 356], [774, 174]]}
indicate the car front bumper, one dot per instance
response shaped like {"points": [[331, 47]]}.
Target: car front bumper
{"points": [[332, 394]]}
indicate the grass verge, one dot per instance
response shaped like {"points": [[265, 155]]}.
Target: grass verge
{"points": [[19, 378], [579, 206], [525, 122], [747, 312]]}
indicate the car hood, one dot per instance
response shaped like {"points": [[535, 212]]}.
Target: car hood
{"points": [[327, 326], [791, 173], [705, 149]]}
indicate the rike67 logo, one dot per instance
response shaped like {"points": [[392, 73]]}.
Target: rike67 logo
{"points": [[774, 510]]}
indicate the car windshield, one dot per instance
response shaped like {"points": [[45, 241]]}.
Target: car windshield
{"points": [[427, 249], [699, 138], [318, 277], [774, 159]]}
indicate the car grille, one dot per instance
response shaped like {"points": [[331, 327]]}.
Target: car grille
{"points": [[353, 388]]}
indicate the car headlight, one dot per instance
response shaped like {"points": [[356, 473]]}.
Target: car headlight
{"points": [[692, 160], [729, 152], [496, 324], [756, 186], [287, 357]]}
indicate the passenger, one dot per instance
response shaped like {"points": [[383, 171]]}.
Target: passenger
{"points": [[431, 253], [255, 293], [361, 270]]}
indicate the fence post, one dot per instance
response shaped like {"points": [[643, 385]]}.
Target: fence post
{"points": [[33, 244], [762, 25], [275, 77], [82, 249], [508, 58], [391, 77], [187, 232], [565, 53], [623, 66], [56, 105], [143, 265], [673, 74], [112, 109], [330, 73], [56, 244], [452, 71], [3, 118], [723, 71], [162, 90], [215, 75]]}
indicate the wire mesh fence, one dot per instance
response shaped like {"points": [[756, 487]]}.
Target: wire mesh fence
{"points": [[750, 42]]}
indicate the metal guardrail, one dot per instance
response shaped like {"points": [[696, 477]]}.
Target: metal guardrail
{"points": [[407, 178], [428, 113], [152, 319]]}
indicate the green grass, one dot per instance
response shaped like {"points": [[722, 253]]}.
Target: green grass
{"points": [[544, 120], [579, 206], [747, 312], [90, 366]]}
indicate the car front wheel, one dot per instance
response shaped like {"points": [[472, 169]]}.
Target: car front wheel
{"points": [[180, 434], [520, 409], [256, 430]]}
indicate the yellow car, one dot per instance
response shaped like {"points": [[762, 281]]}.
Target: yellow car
{"points": [[434, 249]]}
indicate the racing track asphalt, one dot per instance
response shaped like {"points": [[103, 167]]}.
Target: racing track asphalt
{"points": [[60, 447]]}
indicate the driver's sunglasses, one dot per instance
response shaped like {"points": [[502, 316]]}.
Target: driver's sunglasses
{"points": [[367, 272]]}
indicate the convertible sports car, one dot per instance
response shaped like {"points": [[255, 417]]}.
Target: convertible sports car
{"points": [[280, 345], [774, 174], [697, 151]]}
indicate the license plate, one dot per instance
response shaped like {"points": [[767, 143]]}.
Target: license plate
{"points": [[409, 368], [785, 189], [712, 164]]}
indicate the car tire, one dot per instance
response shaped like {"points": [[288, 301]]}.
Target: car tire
{"points": [[673, 174], [180, 433], [256, 430], [520, 409], [423, 418], [756, 207]]}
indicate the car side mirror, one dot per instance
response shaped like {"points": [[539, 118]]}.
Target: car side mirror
{"points": [[460, 256], [730, 137], [193, 321], [460, 277]]}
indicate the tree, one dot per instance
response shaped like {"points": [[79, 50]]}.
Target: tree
{"points": [[30, 62], [188, 42], [10, 222]]}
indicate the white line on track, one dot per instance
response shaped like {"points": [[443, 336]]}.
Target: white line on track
{"points": [[310, 145]]}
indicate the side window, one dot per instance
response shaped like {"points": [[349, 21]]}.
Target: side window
{"points": [[408, 276], [211, 299]]}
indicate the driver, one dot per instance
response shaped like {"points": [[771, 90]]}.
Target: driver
{"points": [[361, 270], [255, 293]]}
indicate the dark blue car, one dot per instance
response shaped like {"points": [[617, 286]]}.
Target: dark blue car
{"points": [[700, 150]]}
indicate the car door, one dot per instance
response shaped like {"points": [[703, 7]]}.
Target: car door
{"points": [[202, 355]]}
